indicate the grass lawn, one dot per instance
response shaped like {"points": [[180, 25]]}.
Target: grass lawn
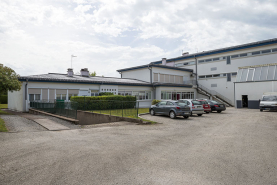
{"points": [[2, 123]]}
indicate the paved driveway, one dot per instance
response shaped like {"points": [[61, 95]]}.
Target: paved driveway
{"points": [[234, 147]]}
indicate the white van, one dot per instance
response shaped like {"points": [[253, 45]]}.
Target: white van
{"points": [[269, 101]]}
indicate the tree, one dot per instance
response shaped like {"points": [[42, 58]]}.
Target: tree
{"points": [[93, 74], [8, 80]]}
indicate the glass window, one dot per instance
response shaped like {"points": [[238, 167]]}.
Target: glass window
{"points": [[234, 56], [228, 61], [269, 98], [234, 74], [264, 73], [215, 59], [250, 74], [239, 75], [31, 97], [181, 104], [256, 53], [168, 95], [243, 55], [244, 75], [141, 95], [63, 96], [257, 74], [174, 96], [136, 94], [156, 78], [208, 60], [192, 95], [202, 76], [216, 75], [274, 50], [192, 63], [271, 72], [201, 61], [58, 96], [169, 103], [148, 95], [209, 76], [162, 103], [266, 51], [195, 102], [37, 96]]}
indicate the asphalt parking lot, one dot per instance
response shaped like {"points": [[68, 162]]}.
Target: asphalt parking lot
{"points": [[237, 146]]}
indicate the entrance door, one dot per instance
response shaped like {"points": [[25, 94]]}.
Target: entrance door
{"points": [[244, 100]]}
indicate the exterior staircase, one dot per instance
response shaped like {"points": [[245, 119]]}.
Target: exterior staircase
{"points": [[214, 95]]}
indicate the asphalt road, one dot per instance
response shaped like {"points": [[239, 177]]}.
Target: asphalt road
{"points": [[234, 147]]}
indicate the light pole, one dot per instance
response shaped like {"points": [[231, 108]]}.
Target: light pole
{"points": [[71, 59]]}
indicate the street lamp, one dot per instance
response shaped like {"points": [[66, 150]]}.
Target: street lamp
{"points": [[71, 59]]}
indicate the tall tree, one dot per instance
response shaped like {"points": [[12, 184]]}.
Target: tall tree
{"points": [[93, 73], [8, 80]]}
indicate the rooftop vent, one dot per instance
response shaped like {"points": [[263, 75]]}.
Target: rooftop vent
{"points": [[185, 53], [70, 72], [85, 72]]}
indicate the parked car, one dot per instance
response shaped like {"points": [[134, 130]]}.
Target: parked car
{"points": [[269, 101], [195, 106], [170, 108], [216, 106], [205, 105]]}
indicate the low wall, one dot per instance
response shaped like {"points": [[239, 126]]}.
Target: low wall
{"points": [[89, 118]]}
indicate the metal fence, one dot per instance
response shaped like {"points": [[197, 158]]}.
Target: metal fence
{"points": [[69, 109]]}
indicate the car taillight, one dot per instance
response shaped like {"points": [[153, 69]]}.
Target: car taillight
{"points": [[178, 108], [192, 104], [216, 105], [193, 107]]}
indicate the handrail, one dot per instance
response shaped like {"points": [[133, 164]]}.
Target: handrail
{"points": [[215, 93]]}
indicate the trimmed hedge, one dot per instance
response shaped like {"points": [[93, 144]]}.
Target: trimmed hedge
{"points": [[4, 99], [154, 102], [104, 102], [106, 94]]}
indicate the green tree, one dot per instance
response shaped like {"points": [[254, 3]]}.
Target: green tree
{"points": [[8, 80], [93, 74]]}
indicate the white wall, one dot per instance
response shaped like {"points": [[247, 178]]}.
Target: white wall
{"points": [[16, 99], [140, 74]]}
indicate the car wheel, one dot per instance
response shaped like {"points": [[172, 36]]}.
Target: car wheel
{"points": [[172, 115], [186, 117], [152, 112], [261, 110], [199, 114], [207, 112], [219, 111]]}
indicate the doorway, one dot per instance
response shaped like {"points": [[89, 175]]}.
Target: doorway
{"points": [[244, 101]]}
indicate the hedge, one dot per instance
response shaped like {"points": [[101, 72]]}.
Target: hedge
{"points": [[104, 102], [4, 99], [106, 94]]}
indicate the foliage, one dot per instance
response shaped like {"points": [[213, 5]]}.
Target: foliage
{"points": [[106, 94], [3, 99], [104, 102], [3, 106], [154, 102], [8, 80], [93, 73], [2, 126]]}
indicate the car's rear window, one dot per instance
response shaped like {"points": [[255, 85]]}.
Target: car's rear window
{"points": [[195, 102], [203, 102], [269, 98], [180, 104]]}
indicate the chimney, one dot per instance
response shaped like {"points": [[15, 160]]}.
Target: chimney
{"points": [[163, 61], [185, 53], [70, 72], [85, 72]]}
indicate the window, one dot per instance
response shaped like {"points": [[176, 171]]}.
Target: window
{"points": [[224, 74], [274, 50], [256, 52], [244, 75], [234, 56], [161, 77], [215, 59], [186, 63], [239, 75], [266, 51], [201, 61], [156, 78], [33, 97], [208, 60], [250, 74], [243, 55], [192, 63], [234, 74], [213, 85], [171, 78], [209, 76], [228, 61], [169, 103], [228, 77], [202, 76], [61, 96], [257, 74], [142, 95], [216, 75], [166, 80], [264, 73], [213, 68], [162, 103], [270, 74]]}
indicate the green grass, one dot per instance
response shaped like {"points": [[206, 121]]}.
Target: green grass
{"points": [[2, 123], [3, 106]]}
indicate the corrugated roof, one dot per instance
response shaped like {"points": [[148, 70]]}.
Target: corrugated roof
{"points": [[54, 77]]}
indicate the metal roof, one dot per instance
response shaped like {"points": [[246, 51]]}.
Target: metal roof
{"points": [[64, 78], [155, 65], [222, 50]]}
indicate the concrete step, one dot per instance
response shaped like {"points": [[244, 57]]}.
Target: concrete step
{"points": [[51, 125]]}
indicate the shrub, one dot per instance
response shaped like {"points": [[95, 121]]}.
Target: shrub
{"points": [[4, 99], [103, 102], [154, 102], [106, 94]]}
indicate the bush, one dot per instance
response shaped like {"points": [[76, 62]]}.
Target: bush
{"points": [[106, 94], [103, 102], [4, 99], [154, 102]]}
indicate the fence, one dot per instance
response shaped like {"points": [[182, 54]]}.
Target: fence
{"points": [[69, 109]]}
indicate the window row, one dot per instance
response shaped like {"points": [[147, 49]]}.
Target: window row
{"points": [[108, 90], [166, 78], [217, 75], [257, 74], [228, 58], [168, 95], [185, 64], [140, 95]]}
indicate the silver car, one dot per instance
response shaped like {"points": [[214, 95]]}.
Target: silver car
{"points": [[195, 106], [170, 108]]}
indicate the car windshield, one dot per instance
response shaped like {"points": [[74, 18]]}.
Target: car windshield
{"points": [[181, 104], [195, 102], [269, 98], [203, 102]]}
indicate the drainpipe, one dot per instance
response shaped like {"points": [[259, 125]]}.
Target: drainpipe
{"points": [[150, 68], [26, 94], [154, 89], [196, 71]]}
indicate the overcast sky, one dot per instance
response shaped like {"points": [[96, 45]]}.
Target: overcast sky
{"points": [[39, 36]]}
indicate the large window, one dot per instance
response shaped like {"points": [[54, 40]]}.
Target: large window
{"points": [[140, 95], [168, 78], [168, 95], [258, 73], [61, 96], [33, 97]]}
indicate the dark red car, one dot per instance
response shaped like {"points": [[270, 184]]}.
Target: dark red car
{"points": [[206, 106]]}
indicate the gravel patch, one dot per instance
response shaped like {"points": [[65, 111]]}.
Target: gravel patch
{"points": [[16, 123]]}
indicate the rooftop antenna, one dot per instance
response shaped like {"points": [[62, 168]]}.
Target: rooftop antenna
{"points": [[71, 59]]}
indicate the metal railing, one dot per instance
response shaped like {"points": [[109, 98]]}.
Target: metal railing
{"points": [[215, 94]]}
